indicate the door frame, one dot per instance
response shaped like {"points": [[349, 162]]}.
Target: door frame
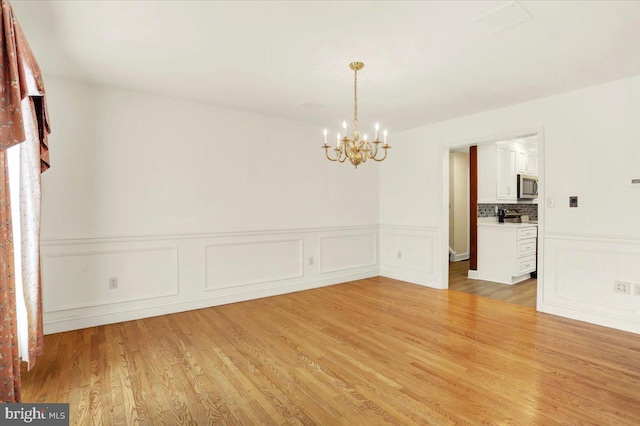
{"points": [[444, 214]]}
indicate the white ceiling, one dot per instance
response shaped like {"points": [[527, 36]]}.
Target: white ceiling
{"points": [[425, 61]]}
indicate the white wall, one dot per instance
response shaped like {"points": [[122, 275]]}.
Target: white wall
{"points": [[591, 149], [459, 204], [191, 205], [488, 173]]}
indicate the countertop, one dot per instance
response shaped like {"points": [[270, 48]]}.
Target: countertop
{"points": [[506, 224]]}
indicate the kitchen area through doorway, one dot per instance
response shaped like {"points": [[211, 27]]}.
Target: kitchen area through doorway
{"points": [[493, 215]]}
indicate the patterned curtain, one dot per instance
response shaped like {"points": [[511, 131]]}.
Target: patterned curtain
{"points": [[18, 68], [9, 360], [30, 199]]}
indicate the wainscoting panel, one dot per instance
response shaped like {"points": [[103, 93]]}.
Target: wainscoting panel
{"points": [[85, 274], [409, 254], [579, 278], [243, 263], [343, 252], [171, 273]]}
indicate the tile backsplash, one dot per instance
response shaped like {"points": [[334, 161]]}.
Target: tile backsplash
{"points": [[489, 210]]}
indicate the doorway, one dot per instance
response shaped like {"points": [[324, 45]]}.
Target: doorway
{"points": [[525, 289]]}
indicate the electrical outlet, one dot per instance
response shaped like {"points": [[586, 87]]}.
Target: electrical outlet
{"points": [[113, 283], [399, 255], [311, 261], [636, 289], [622, 287]]}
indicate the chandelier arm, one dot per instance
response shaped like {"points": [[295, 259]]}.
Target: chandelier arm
{"points": [[342, 154], [326, 151], [385, 154], [349, 157], [373, 149], [367, 153]]}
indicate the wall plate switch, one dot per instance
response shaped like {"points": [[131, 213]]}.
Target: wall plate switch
{"points": [[573, 201], [311, 261], [113, 283], [636, 289], [551, 202]]}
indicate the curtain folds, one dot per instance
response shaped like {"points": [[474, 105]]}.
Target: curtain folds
{"points": [[20, 80], [9, 358], [30, 199]]}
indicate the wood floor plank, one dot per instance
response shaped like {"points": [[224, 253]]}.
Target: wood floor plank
{"points": [[374, 351], [523, 293]]}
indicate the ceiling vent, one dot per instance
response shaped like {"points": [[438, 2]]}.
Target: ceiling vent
{"points": [[506, 16]]}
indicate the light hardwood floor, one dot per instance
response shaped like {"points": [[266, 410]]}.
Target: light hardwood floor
{"points": [[523, 293], [369, 352]]}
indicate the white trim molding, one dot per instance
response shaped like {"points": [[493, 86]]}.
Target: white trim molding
{"points": [[410, 254], [337, 254], [163, 274], [580, 276], [243, 263]]}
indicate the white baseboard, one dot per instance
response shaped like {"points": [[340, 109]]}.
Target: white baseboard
{"points": [[92, 320], [410, 278], [619, 322], [472, 274], [457, 257]]}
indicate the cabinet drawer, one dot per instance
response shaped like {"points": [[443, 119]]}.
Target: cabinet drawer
{"points": [[526, 247], [527, 264], [525, 233]]}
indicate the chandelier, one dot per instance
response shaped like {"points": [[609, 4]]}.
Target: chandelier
{"points": [[356, 150]]}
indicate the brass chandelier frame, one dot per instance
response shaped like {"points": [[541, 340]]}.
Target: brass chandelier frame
{"points": [[356, 150]]}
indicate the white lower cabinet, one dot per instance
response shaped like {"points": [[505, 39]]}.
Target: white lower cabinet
{"points": [[506, 251]]}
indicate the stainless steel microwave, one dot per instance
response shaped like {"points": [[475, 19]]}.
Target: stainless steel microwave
{"points": [[527, 187]]}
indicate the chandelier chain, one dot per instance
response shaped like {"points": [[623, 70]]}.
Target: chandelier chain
{"points": [[355, 101]]}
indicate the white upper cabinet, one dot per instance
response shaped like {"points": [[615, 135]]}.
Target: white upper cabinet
{"points": [[527, 157], [507, 172], [532, 164], [522, 162], [499, 165], [487, 168]]}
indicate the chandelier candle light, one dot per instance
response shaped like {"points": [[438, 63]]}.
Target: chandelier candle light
{"points": [[356, 150]]}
